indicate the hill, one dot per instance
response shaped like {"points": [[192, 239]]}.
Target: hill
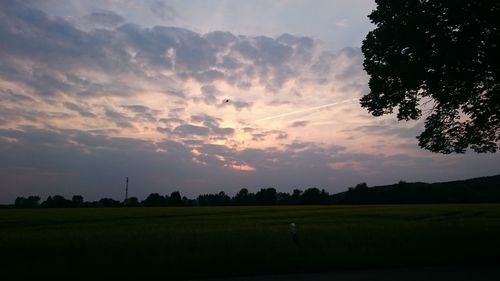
{"points": [[476, 190]]}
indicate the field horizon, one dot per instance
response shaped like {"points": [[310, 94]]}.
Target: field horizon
{"points": [[472, 190]]}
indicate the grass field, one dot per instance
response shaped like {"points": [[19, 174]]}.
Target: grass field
{"points": [[197, 242]]}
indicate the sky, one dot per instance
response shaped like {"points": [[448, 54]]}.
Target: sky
{"points": [[198, 97]]}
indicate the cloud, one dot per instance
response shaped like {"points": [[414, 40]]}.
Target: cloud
{"points": [[79, 162], [209, 94], [63, 53], [211, 126], [189, 130], [263, 135], [391, 128], [220, 40], [298, 124], [142, 113], [104, 18], [163, 11], [342, 23], [75, 107], [258, 136], [137, 108], [118, 118], [238, 105], [170, 121], [11, 96], [25, 114], [83, 108], [78, 159]]}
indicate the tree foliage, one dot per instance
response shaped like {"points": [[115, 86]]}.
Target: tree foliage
{"points": [[441, 59], [30, 202]]}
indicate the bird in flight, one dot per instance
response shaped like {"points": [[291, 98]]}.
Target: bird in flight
{"points": [[226, 101]]}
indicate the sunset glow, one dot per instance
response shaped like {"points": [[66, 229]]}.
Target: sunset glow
{"points": [[143, 96]]}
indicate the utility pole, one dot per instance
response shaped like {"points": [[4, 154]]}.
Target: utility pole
{"points": [[126, 191]]}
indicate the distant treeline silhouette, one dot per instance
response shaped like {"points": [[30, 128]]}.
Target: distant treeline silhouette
{"points": [[478, 190]]}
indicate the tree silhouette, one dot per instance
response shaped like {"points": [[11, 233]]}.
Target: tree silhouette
{"points": [[266, 196], [243, 197], [132, 202], [284, 198], [108, 202], [30, 202], [219, 199], [154, 200], [77, 200], [441, 58], [296, 196], [175, 199], [57, 201], [314, 196]]}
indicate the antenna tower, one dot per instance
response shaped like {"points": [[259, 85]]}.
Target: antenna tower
{"points": [[126, 191]]}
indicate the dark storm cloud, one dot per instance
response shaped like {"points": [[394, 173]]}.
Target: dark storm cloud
{"points": [[104, 18]]}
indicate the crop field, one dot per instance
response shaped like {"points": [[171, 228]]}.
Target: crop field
{"points": [[199, 242]]}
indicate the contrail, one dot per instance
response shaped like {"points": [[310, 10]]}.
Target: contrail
{"points": [[304, 110]]}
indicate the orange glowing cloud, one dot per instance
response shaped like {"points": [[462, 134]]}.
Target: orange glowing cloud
{"points": [[240, 167]]}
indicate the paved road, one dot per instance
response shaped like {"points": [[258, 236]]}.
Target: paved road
{"points": [[448, 273]]}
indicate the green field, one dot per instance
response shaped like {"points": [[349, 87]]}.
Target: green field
{"points": [[198, 242]]}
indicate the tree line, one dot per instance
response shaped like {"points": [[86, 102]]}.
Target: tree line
{"points": [[477, 190], [265, 196]]}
